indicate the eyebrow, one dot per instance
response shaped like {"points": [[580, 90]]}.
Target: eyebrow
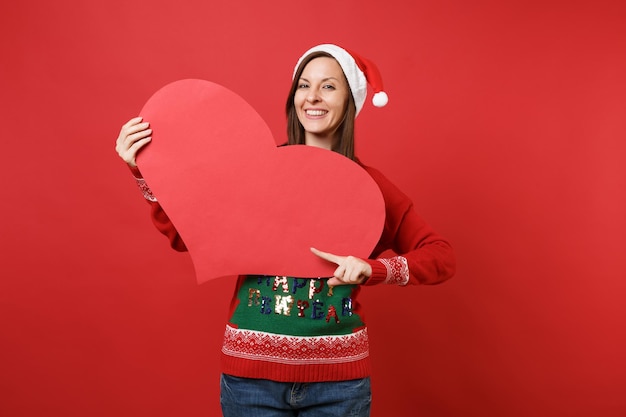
{"points": [[325, 79]]}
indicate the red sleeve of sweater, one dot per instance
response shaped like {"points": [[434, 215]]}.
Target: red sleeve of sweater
{"points": [[424, 257], [158, 215]]}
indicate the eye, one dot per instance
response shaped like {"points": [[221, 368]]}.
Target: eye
{"points": [[303, 85], [328, 86]]}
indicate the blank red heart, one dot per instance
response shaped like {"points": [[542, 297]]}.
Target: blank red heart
{"points": [[243, 205]]}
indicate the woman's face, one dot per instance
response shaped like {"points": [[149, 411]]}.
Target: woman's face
{"points": [[320, 100]]}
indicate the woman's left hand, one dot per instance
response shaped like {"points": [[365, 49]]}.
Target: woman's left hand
{"points": [[350, 269]]}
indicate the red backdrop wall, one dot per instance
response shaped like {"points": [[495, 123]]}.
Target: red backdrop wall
{"points": [[506, 125]]}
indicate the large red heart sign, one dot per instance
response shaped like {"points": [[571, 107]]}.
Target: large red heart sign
{"points": [[241, 204]]}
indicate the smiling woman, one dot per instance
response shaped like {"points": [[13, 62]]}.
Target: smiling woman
{"points": [[290, 340], [506, 127]]}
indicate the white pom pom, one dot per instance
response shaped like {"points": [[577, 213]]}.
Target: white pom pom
{"points": [[380, 99]]}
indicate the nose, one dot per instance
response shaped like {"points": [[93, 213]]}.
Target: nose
{"points": [[312, 97]]}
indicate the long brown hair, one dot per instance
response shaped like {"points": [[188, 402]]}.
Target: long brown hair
{"points": [[295, 130]]}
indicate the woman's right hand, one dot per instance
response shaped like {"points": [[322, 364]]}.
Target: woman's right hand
{"points": [[135, 134]]}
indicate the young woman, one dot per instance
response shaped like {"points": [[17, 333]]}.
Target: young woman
{"points": [[298, 346]]}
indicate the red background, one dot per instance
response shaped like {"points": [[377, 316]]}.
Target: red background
{"points": [[506, 125]]}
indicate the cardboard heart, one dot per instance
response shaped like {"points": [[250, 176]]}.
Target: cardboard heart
{"points": [[241, 204]]}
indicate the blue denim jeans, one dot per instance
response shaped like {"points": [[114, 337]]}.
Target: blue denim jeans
{"points": [[244, 397]]}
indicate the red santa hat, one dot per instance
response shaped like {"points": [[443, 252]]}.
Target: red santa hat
{"points": [[359, 72]]}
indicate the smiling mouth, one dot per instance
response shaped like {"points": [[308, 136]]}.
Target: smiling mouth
{"points": [[315, 112]]}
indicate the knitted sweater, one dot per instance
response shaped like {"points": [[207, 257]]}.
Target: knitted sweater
{"points": [[298, 329]]}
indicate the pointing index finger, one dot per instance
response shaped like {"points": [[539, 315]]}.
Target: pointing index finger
{"points": [[327, 256]]}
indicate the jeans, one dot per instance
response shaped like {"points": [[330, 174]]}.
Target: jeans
{"points": [[244, 397]]}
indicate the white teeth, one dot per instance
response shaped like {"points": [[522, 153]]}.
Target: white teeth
{"points": [[316, 112]]}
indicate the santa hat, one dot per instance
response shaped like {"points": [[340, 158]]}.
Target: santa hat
{"points": [[359, 72]]}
